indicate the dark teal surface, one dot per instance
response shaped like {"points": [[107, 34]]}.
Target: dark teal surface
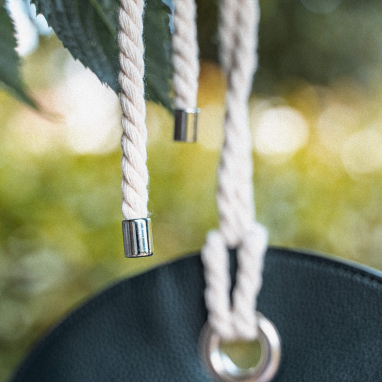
{"points": [[328, 314]]}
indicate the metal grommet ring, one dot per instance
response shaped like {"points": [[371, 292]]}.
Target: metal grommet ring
{"points": [[224, 370]]}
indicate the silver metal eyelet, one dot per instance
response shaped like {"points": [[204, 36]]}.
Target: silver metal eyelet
{"points": [[224, 370]]}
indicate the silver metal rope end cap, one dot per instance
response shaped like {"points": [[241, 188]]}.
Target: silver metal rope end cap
{"points": [[137, 238], [186, 124]]}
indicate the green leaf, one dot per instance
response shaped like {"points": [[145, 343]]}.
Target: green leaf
{"points": [[89, 29], [158, 61], [10, 76]]}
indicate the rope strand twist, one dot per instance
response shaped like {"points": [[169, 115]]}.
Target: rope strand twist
{"points": [[134, 137], [185, 54]]}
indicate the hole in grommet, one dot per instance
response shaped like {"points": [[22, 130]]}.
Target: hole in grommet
{"points": [[243, 355]]}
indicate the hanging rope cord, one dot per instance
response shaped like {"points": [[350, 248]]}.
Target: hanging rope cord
{"points": [[185, 55], [238, 228], [134, 137], [186, 72]]}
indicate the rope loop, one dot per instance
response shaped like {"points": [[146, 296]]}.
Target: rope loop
{"points": [[236, 321]]}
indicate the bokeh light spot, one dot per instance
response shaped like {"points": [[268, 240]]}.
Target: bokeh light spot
{"points": [[91, 110], [280, 130], [362, 152], [335, 124]]}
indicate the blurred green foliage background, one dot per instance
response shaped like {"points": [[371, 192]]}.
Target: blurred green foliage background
{"points": [[317, 131]]}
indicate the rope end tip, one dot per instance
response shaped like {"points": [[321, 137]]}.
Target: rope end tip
{"points": [[186, 124], [137, 238]]}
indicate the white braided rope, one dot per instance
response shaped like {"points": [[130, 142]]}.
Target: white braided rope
{"points": [[227, 23], [249, 280], [134, 169], [185, 55], [218, 284], [235, 194], [239, 25]]}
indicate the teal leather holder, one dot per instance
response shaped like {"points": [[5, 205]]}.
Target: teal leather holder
{"points": [[328, 314]]}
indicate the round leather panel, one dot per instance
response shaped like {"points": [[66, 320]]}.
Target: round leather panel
{"points": [[328, 314]]}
